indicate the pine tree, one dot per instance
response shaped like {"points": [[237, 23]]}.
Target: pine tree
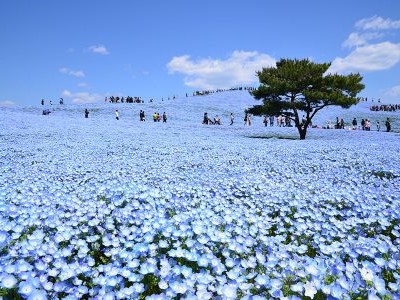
{"points": [[297, 88]]}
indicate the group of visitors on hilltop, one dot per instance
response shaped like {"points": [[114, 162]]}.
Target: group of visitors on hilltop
{"points": [[128, 99], [208, 92], [138, 99], [385, 107]]}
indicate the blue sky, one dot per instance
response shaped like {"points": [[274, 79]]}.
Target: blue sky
{"points": [[86, 50]]}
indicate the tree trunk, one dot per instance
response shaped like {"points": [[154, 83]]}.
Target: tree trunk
{"points": [[302, 132]]}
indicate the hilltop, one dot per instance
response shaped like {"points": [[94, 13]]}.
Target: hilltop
{"points": [[188, 111]]}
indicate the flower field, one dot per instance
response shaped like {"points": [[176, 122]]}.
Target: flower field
{"points": [[103, 209]]}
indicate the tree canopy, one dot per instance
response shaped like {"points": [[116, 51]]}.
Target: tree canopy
{"points": [[297, 87]]}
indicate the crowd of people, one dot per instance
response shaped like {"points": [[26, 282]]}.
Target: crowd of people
{"points": [[128, 99], [138, 99], [208, 92], [385, 107]]}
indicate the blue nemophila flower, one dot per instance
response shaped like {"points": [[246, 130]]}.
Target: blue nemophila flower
{"points": [[178, 287], [262, 279], [26, 288], [228, 291], [367, 274], [4, 236], [38, 295], [310, 289], [108, 296], [8, 281], [48, 286], [373, 296], [163, 284], [379, 285], [10, 269], [203, 261], [298, 287]]}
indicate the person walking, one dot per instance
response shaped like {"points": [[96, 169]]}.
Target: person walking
{"points": [[378, 126], [142, 116], [117, 114], [164, 117], [232, 118], [86, 113], [265, 120], [271, 121]]}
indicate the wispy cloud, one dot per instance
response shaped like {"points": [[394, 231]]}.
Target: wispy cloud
{"points": [[370, 51], [99, 49], [75, 73], [357, 39], [394, 91], [377, 23], [207, 73], [7, 103], [82, 84], [82, 97]]}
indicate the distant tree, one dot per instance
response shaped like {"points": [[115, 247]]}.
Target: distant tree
{"points": [[299, 89]]}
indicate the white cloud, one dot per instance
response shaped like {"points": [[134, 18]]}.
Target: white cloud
{"points": [[82, 97], [82, 84], [99, 49], [7, 103], [238, 69], [356, 39], [372, 57], [377, 23], [68, 71], [394, 91]]}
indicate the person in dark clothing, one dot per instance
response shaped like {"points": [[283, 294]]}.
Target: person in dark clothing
{"points": [[354, 123], [142, 116], [388, 125], [86, 113], [205, 118]]}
